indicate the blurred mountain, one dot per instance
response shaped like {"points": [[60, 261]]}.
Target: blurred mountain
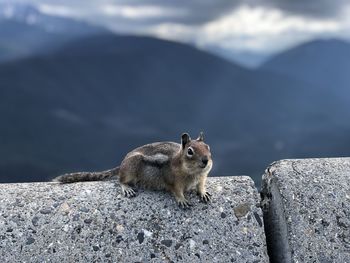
{"points": [[25, 31], [321, 63], [248, 59], [85, 105]]}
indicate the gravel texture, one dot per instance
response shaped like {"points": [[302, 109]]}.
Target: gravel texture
{"points": [[93, 222], [307, 210]]}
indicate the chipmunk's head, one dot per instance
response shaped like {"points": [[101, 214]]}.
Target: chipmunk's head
{"points": [[196, 154]]}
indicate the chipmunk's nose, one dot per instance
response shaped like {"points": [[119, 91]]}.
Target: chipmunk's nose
{"points": [[205, 160]]}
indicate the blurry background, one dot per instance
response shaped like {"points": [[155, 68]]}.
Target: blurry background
{"points": [[84, 82]]}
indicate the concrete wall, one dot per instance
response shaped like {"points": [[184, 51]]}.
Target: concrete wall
{"points": [[93, 222], [307, 210], [305, 214]]}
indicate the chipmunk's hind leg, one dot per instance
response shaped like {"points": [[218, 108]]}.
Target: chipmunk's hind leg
{"points": [[128, 174], [125, 181]]}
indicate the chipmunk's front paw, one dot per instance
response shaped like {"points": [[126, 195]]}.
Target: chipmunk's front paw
{"points": [[205, 197], [184, 204]]}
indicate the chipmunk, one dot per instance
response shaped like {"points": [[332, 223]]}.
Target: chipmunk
{"points": [[169, 166]]}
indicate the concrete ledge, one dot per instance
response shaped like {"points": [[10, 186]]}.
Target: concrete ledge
{"points": [[88, 222], [307, 210]]}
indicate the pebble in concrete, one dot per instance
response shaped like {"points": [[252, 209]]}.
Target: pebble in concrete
{"points": [[307, 210], [89, 222]]}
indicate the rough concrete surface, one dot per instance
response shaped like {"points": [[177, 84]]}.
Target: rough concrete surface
{"points": [[93, 222], [313, 197]]}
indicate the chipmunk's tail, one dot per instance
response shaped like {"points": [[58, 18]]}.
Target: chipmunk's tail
{"points": [[87, 176]]}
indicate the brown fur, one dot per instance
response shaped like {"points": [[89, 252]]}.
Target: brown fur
{"points": [[161, 166]]}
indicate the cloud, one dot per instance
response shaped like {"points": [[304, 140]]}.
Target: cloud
{"points": [[198, 11], [258, 20], [310, 8], [141, 12], [260, 26], [58, 10], [250, 29]]}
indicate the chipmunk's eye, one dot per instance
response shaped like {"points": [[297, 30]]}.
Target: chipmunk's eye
{"points": [[190, 151]]}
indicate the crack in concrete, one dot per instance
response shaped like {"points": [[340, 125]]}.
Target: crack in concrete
{"points": [[274, 219]]}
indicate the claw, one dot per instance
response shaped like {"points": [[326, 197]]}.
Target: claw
{"points": [[129, 192], [206, 197], [184, 204]]}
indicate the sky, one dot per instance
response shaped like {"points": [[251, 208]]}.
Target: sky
{"points": [[260, 27]]}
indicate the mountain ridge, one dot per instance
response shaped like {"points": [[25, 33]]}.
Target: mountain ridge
{"points": [[20, 23], [320, 62], [88, 103]]}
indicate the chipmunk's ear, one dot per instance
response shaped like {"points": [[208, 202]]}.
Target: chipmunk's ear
{"points": [[200, 137], [185, 138]]}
